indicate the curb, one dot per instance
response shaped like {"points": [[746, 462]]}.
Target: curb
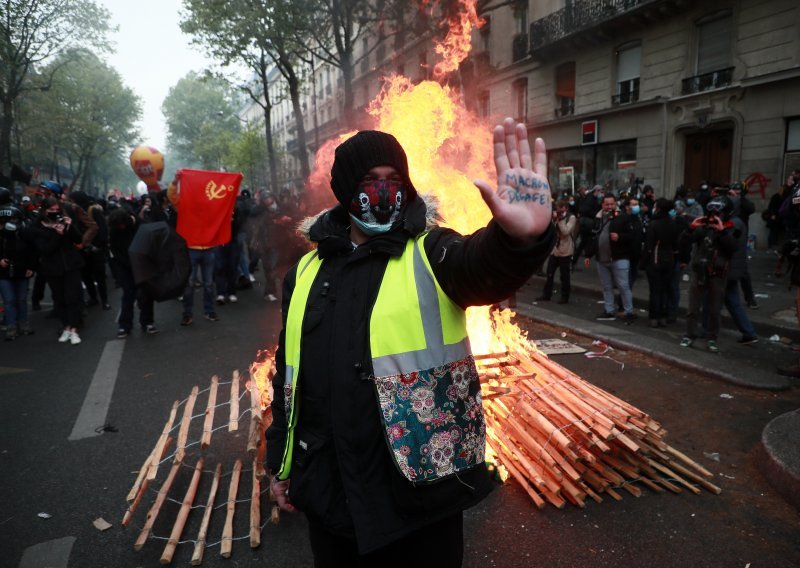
{"points": [[779, 456]]}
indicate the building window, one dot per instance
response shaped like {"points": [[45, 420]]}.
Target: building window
{"points": [[629, 59], [520, 89], [483, 104], [485, 33], [791, 158], [565, 89], [610, 165], [519, 43], [714, 45]]}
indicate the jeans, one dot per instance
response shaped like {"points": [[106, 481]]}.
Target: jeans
{"points": [[616, 273], [15, 301], [202, 260], [733, 301], [226, 262]]}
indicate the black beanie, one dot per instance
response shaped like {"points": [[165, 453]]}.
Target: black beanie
{"points": [[357, 155]]}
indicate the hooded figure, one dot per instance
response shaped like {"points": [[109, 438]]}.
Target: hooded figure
{"points": [[378, 433]]}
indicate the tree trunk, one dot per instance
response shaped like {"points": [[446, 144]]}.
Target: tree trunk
{"points": [[5, 134], [267, 106], [349, 98], [302, 149]]}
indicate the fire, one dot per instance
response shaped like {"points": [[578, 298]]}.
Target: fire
{"points": [[261, 371], [456, 45]]}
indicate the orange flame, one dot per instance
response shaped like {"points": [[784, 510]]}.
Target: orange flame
{"points": [[261, 371], [456, 45]]}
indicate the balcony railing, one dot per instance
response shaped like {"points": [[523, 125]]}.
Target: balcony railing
{"points": [[566, 107], [625, 97], [707, 81], [579, 16], [519, 47]]}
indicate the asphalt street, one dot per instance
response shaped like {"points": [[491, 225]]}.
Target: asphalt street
{"points": [[48, 466]]}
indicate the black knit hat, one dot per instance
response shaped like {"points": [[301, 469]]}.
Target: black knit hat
{"points": [[357, 155]]}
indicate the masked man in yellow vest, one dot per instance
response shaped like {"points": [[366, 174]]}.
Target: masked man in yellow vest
{"points": [[378, 433]]}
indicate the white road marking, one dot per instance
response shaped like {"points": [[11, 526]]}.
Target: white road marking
{"points": [[98, 398], [49, 554]]}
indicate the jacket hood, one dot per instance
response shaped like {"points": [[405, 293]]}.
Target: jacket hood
{"points": [[329, 229]]}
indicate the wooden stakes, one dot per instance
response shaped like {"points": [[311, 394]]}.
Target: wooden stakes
{"points": [[200, 545], [254, 439], [233, 421], [162, 440], [140, 485], [208, 425], [152, 514], [255, 509], [183, 514], [565, 439], [183, 433], [227, 532]]}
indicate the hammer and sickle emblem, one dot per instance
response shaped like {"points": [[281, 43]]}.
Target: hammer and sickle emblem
{"points": [[214, 191]]}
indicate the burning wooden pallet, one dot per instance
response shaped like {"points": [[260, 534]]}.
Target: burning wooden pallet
{"points": [[564, 439], [260, 418]]}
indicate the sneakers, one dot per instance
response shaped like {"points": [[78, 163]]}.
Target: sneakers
{"points": [[752, 305], [151, 329], [629, 318], [122, 333], [74, 338], [747, 340], [233, 299], [606, 316], [712, 346], [212, 316], [65, 335], [687, 342], [186, 320], [252, 278], [271, 297], [220, 300]]}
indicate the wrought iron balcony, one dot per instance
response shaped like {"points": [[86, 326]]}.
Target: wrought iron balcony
{"points": [[566, 107], [707, 81], [580, 16], [625, 97], [519, 47]]}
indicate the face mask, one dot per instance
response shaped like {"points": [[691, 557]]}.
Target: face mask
{"points": [[11, 226], [690, 201], [635, 210], [377, 204], [672, 213], [370, 229], [571, 203], [273, 207]]}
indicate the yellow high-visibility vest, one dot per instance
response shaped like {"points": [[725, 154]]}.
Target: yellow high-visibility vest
{"points": [[419, 349]]}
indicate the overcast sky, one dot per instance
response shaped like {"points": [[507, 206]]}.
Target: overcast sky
{"points": [[151, 55]]}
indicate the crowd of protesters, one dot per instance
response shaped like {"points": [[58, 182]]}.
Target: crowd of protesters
{"points": [[703, 229], [70, 242]]}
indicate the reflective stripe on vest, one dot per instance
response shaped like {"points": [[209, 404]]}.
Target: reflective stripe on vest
{"points": [[413, 326]]}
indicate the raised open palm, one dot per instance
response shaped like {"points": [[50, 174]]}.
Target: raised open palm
{"points": [[522, 203]]}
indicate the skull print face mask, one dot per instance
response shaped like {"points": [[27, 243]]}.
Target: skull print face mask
{"points": [[376, 205]]}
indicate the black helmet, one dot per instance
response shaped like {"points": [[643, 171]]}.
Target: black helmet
{"points": [[8, 212], [721, 205], [5, 196]]}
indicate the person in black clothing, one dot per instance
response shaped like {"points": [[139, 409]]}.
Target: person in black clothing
{"points": [[714, 239], [658, 260], [17, 263], [58, 242], [359, 441], [588, 205], [94, 271]]}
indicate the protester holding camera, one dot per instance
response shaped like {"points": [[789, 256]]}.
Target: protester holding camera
{"points": [[713, 239], [58, 242], [17, 263]]}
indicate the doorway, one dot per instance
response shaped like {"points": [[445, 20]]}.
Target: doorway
{"points": [[708, 158]]}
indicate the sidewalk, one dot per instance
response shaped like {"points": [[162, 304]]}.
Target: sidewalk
{"points": [[748, 366], [751, 366]]}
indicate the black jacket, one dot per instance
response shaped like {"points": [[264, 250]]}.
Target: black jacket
{"points": [[20, 254], [57, 253], [345, 477], [661, 242], [619, 223]]}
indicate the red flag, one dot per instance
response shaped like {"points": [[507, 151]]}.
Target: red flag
{"points": [[205, 206]]}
